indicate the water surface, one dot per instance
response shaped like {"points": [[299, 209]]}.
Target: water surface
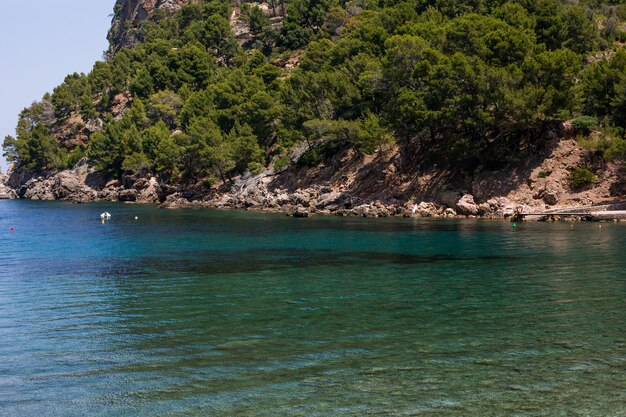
{"points": [[201, 312]]}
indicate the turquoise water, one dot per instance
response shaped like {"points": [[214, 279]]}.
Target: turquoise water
{"points": [[200, 312]]}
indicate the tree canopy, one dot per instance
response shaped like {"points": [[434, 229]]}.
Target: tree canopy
{"points": [[458, 78]]}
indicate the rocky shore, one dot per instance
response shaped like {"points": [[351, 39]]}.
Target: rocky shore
{"points": [[351, 185], [82, 185]]}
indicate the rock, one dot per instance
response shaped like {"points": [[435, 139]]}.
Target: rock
{"points": [[252, 201], [467, 206], [334, 199], [287, 208], [174, 200], [127, 195], [7, 193], [484, 209], [283, 198], [37, 189], [107, 195], [550, 197], [129, 16], [328, 198], [67, 186], [425, 209], [301, 197], [113, 184], [509, 211], [300, 212], [151, 193], [449, 212], [450, 198]]}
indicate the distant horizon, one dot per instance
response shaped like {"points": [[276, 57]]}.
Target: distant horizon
{"points": [[47, 42]]}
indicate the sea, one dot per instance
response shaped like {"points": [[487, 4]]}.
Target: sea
{"points": [[198, 312]]}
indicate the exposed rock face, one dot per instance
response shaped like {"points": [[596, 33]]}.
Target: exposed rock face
{"points": [[129, 14], [6, 193], [81, 185]]}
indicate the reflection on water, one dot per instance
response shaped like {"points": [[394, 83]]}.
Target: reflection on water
{"points": [[195, 312]]}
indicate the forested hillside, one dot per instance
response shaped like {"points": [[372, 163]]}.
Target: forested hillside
{"points": [[201, 99]]}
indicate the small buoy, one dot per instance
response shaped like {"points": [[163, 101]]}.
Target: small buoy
{"points": [[514, 225], [12, 229], [600, 226], [102, 221], [136, 218]]}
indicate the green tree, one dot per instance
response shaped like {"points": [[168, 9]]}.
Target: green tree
{"points": [[164, 106], [34, 150], [246, 152], [152, 138], [168, 157]]}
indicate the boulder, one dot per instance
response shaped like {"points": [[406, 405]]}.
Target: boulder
{"points": [[69, 185], [37, 189], [334, 199], [174, 200], [550, 197], [450, 198], [127, 195], [364, 210], [509, 211], [449, 212], [425, 209], [301, 197], [300, 212], [151, 193], [467, 206]]}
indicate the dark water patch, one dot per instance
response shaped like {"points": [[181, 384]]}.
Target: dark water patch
{"points": [[257, 260]]}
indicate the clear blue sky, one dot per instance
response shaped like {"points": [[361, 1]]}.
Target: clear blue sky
{"points": [[41, 41]]}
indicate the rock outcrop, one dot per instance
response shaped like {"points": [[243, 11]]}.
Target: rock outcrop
{"points": [[128, 15], [6, 192], [81, 185]]}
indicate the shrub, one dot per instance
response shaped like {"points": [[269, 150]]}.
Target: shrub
{"points": [[310, 158], [585, 124], [581, 177], [209, 182], [543, 174], [617, 150], [281, 162]]}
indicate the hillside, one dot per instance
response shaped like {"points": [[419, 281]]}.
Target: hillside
{"points": [[361, 107]]}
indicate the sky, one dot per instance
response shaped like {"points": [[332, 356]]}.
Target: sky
{"points": [[42, 41]]}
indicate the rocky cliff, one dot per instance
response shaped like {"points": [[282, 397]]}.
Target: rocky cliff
{"points": [[128, 15]]}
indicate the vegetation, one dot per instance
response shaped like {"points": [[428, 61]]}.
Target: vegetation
{"points": [[468, 80], [581, 177]]}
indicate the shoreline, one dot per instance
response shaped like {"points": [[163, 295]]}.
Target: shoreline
{"points": [[606, 216], [309, 192]]}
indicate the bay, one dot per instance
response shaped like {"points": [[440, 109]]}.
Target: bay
{"points": [[204, 312]]}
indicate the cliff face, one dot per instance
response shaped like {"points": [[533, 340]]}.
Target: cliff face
{"points": [[128, 15]]}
